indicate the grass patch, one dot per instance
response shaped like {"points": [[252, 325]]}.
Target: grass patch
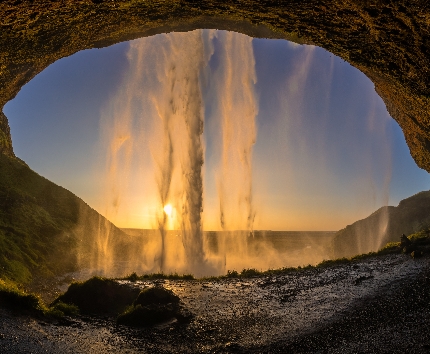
{"points": [[12, 297], [45, 230], [154, 276], [60, 309], [421, 237]]}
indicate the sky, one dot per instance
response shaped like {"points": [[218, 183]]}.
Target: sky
{"points": [[326, 152]]}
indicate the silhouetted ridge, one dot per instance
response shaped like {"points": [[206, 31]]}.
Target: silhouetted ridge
{"points": [[384, 225]]}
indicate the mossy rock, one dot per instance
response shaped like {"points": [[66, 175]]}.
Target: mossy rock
{"points": [[154, 306], [156, 295], [99, 295]]}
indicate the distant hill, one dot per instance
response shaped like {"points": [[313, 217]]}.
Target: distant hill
{"points": [[45, 230], [385, 225]]}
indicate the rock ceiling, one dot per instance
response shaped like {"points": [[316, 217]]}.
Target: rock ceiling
{"points": [[388, 40]]}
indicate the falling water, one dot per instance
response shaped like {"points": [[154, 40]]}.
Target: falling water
{"points": [[163, 89], [235, 81], [156, 121], [178, 102]]}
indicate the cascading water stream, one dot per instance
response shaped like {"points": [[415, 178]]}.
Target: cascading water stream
{"points": [[162, 99]]}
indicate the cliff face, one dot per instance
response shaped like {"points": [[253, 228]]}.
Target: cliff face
{"points": [[385, 225], [45, 230], [388, 40], [5, 138]]}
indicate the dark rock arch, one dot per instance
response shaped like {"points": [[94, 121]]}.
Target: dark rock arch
{"points": [[388, 40]]}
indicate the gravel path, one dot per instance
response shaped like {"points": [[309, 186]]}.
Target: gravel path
{"points": [[377, 305]]}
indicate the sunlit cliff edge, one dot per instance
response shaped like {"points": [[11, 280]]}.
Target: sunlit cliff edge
{"points": [[385, 225], [387, 40]]}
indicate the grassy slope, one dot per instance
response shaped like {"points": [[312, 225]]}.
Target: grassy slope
{"points": [[43, 227]]}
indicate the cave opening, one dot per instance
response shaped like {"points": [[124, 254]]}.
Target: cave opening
{"points": [[322, 150]]}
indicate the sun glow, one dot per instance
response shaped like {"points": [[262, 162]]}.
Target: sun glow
{"points": [[168, 209]]}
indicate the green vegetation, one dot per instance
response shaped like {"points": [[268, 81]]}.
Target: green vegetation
{"points": [[45, 229], [154, 305], [420, 243], [421, 237], [64, 309], [18, 300], [35, 223], [154, 276]]}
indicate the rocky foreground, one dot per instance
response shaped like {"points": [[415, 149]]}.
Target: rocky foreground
{"points": [[378, 304]]}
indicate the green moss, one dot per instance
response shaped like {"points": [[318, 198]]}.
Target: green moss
{"points": [[44, 227], [14, 298], [391, 247], [420, 236], [35, 215], [60, 309]]}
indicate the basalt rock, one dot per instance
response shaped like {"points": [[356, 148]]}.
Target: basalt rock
{"points": [[388, 40], [99, 296]]}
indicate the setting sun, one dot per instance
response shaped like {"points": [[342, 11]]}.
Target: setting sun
{"points": [[168, 209]]}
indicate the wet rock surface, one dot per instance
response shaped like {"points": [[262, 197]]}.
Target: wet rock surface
{"points": [[379, 304]]}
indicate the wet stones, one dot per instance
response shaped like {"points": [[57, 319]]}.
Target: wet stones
{"points": [[153, 306]]}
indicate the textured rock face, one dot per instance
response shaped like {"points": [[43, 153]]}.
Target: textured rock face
{"points": [[388, 40], [5, 138]]}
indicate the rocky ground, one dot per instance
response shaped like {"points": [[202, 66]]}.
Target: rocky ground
{"points": [[376, 305]]}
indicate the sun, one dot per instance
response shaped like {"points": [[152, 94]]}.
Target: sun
{"points": [[168, 209]]}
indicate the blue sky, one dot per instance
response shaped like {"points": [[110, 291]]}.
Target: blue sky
{"points": [[327, 153]]}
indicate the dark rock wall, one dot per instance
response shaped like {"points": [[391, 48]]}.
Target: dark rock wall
{"points": [[5, 138], [388, 40]]}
